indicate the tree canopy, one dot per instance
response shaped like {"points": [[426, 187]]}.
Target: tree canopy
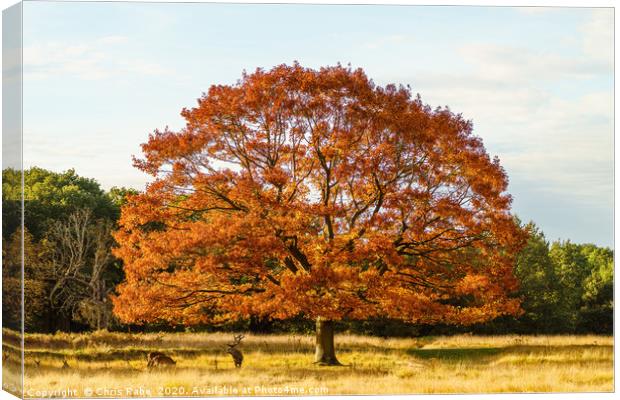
{"points": [[318, 193], [48, 197]]}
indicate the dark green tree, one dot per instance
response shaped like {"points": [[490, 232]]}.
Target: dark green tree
{"points": [[596, 311], [49, 197], [571, 268], [539, 287]]}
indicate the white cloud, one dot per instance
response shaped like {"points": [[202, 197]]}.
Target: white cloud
{"points": [[557, 142], [598, 36], [569, 148], [503, 63], [546, 110], [97, 59], [512, 64]]}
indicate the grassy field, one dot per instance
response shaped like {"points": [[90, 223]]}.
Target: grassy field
{"points": [[114, 364]]}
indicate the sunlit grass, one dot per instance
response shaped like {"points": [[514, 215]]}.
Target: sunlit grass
{"points": [[114, 364]]}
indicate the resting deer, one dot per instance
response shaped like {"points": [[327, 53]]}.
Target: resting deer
{"points": [[151, 356], [234, 352], [156, 359]]}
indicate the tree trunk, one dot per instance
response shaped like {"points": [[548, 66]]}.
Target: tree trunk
{"points": [[325, 353]]}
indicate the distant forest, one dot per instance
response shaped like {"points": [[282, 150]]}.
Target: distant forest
{"points": [[70, 272]]}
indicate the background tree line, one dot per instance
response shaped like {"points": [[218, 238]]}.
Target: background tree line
{"points": [[70, 272]]}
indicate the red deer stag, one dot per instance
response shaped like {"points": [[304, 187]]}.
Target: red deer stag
{"points": [[234, 352]]}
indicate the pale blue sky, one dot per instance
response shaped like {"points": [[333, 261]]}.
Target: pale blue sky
{"points": [[537, 83]]}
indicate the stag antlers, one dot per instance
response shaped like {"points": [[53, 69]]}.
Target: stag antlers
{"points": [[236, 355]]}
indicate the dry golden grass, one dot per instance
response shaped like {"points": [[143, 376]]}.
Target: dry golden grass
{"points": [[113, 364]]}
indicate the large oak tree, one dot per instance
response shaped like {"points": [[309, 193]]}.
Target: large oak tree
{"points": [[317, 193]]}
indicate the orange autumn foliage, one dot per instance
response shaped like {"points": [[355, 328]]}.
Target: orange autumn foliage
{"points": [[317, 192]]}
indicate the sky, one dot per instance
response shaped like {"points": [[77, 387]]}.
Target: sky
{"points": [[536, 82]]}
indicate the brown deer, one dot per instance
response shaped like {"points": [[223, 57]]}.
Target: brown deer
{"points": [[237, 356], [151, 356], [156, 359]]}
